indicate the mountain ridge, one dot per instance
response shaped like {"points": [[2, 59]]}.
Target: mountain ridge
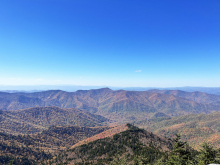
{"points": [[196, 96], [130, 142], [125, 106]]}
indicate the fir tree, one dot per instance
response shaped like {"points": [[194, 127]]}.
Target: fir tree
{"points": [[180, 154], [207, 155]]}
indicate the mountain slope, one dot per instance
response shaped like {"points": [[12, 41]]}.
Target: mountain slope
{"points": [[108, 133], [61, 138], [130, 143], [199, 97], [20, 150], [37, 147], [36, 119], [120, 106], [194, 128]]}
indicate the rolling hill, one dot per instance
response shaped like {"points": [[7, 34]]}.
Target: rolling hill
{"points": [[120, 106], [129, 143], [33, 120], [30, 149], [194, 128]]}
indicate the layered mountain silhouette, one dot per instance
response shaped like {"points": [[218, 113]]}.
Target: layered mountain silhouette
{"points": [[66, 119], [120, 105]]}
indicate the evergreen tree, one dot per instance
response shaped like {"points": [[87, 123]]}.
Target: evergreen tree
{"points": [[137, 161], [207, 155], [117, 161], [180, 154]]}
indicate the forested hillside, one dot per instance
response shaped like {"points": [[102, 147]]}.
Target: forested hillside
{"points": [[33, 120], [194, 128], [131, 143], [76, 134], [38, 147], [121, 106], [199, 97], [21, 150]]}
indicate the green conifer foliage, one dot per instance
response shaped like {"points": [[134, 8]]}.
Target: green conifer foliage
{"points": [[207, 155], [180, 154]]}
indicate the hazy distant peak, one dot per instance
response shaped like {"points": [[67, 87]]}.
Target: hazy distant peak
{"points": [[103, 89]]}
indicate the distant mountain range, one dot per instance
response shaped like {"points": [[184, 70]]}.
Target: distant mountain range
{"points": [[119, 106], [199, 97], [74, 88]]}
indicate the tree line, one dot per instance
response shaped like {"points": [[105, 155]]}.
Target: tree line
{"points": [[181, 154]]}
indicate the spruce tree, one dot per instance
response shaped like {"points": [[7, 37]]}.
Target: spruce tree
{"points": [[207, 155], [180, 154]]}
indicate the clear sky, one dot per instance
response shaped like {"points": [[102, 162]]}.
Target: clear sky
{"points": [[138, 43]]}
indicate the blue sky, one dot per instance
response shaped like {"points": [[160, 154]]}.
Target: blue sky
{"points": [[143, 43]]}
